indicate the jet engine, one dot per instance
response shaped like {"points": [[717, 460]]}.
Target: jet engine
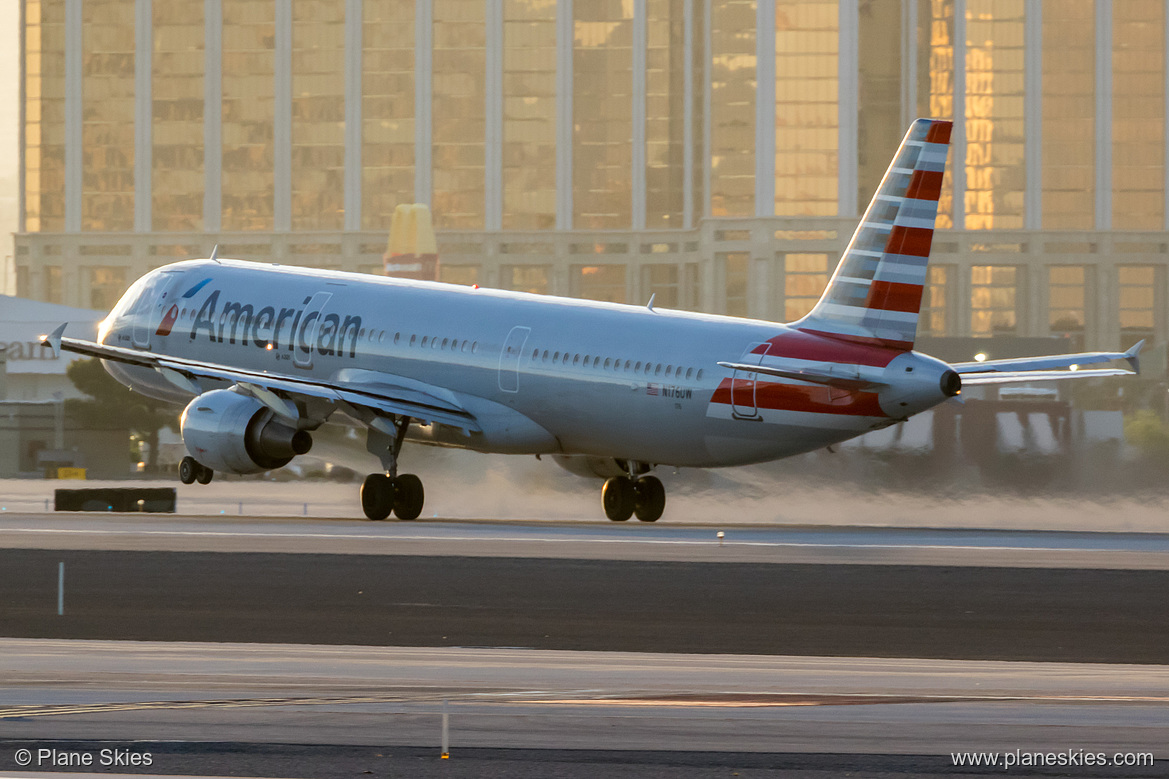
{"points": [[235, 433]]}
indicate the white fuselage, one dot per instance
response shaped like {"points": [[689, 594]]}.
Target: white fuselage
{"points": [[546, 375]]}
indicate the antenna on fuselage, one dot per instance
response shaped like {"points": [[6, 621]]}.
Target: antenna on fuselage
{"points": [[650, 304], [214, 254]]}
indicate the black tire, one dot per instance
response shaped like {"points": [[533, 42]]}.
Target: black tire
{"points": [[188, 469], [409, 497], [650, 500], [377, 496], [204, 475], [617, 498]]}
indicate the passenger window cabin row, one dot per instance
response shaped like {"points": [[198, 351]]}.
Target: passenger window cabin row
{"points": [[575, 359]]}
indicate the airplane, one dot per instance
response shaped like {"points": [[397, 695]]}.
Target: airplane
{"points": [[262, 356]]}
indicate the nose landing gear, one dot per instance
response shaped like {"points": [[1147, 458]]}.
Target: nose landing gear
{"points": [[626, 496], [386, 493]]}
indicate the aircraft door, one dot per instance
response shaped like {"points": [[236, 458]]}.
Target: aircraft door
{"points": [[743, 401], [509, 358], [156, 309], [310, 323]]}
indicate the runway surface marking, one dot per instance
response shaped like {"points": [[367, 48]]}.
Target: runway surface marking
{"points": [[533, 698], [1104, 543]]}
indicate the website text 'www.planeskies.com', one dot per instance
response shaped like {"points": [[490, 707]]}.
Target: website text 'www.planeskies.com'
{"points": [[1065, 758]]}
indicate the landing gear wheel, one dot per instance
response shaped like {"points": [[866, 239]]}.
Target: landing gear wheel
{"points": [[188, 470], [408, 496], [377, 496], [204, 474], [650, 499], [617, 496]]}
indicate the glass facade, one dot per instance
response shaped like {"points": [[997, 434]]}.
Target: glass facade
{"points": [[529, 115], [387, 110], [44, 115], [1069, 125], [1138, 115], [996, 180], [107, 126], [732, 108], [936, 87], [1137, 299], [665, 114], [807, 125], [249, 39], [993, 300], [805, 277], [602, 110], [318, 115], [458, 114], [496, 156], [177, 176], [1067, 299]]}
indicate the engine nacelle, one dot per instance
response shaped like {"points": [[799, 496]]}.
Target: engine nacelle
{"points": [[235, 433]]}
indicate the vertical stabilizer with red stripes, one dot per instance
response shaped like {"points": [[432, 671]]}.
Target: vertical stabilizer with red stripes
{"points": [[875, 294]]}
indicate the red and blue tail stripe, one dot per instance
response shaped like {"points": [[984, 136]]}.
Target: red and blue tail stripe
{"points": [[875, 295]]}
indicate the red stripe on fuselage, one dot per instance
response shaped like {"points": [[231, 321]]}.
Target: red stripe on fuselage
{"points": [[912, 241], [832, 347], [894, 296], [925, 185], [805, 398]]}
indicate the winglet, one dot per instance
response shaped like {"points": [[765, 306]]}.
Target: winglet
{"points": [[1131, 356], [54, 340]]}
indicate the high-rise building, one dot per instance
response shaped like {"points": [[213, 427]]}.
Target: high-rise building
{"points": [[715, 153]]}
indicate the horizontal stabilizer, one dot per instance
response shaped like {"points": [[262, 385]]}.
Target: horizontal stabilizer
{"points": [[1049, 362], [1021, 377], [805, 374]]}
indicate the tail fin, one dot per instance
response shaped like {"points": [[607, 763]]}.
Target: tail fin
{"points": [[875, 294]]}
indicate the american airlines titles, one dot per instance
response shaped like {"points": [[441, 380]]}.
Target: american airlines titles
{"points": [[288, 328]]}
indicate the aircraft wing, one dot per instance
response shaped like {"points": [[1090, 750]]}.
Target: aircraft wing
{"points": [[278, 391]]}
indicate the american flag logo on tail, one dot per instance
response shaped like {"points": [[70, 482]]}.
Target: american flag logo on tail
{"points": [[875, 294]]}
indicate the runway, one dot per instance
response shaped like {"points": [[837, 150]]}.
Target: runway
{"points": [[326, 647], [601, 540], [531, 699]]}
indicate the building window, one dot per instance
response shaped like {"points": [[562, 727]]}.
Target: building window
{"points": [[993, 289], [53, 284], [1137, 301], [22, 281], [935, 311], [736, 266], [1069, 124], [106, 285], [661, 281], [1138, 115], [458, 274], [527, 278], [599, 282], [805, 277], [1067, 299]]}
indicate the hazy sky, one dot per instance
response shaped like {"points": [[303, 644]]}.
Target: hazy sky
{"points": [[9, 122]]}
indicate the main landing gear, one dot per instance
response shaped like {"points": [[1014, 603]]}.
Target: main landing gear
{"points": [[191, 471], [386, 493], [624, 496]]}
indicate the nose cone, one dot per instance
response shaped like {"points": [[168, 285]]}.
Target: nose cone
{"points": [[915, 382]]}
